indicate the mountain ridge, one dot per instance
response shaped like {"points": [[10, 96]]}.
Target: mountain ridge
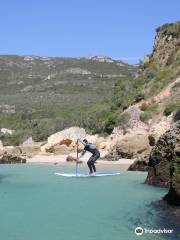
{"points": [[39, 91]]}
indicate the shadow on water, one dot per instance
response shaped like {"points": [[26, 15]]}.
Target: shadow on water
{"points": [[158, 215], [168, 218], [4, 176]]}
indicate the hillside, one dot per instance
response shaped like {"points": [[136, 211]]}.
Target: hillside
{"points": [[41, 95], [154, 115], [159, 71]]}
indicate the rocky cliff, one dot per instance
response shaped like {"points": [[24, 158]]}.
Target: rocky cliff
{"points": [[164, 162], [166, 44], [157, 98]]}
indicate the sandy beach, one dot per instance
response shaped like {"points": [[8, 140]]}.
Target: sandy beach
{"points": [[61, 159]]}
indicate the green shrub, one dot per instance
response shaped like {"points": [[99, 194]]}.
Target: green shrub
{"points": [[149, 107], [145, 116], [171, 107], [144, 107], [153, 107], [123, 121], [139, 97], [14, 140], [154, 88], [170, 29], [110, 123], [176, 85]]}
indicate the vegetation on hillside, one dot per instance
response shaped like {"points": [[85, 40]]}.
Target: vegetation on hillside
{"points": [[157, 71], [40, 96]]}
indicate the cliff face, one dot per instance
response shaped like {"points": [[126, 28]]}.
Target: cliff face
{"points": [[154, 90], [151, 102], [164, 162], [160, 76], [162, 66], [166, 44]]}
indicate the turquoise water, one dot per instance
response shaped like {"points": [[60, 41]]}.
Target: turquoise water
{"points": [[35, 204]]}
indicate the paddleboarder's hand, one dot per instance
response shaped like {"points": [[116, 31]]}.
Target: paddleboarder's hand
{"points": [[82, 154]]}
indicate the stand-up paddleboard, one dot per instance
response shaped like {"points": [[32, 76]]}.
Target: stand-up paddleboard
{"points": [[78, 174], [86, 175]]}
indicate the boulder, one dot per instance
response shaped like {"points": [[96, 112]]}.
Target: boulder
{"points": [[177, 116], [160, 126], [138, 165], [30, 148], [72, 157], [6, 131], [67, 137], [1, 148], [30, 151], [116, 154], [152, 140], [134, 144], [129, 146], [1, 145], [132, 126], [28, 142], [105, 145], [9, 159], [164, 162], [99, 142], [159, 175], [13, 150]]}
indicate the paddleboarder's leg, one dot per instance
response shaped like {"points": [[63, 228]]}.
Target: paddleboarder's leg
{"points": [[94, 167], [89, 163], [92, 161], [95, 157]]}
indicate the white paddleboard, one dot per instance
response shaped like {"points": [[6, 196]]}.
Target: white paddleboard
{"points": [[86, 175]]}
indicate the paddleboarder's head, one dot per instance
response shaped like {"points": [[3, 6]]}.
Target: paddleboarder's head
{"points": [[85, 141]]}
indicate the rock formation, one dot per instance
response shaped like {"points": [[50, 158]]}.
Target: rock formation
{"points": [[1, 145], [6, 131], [167, 39], [30, 148], [164, 163], [138, 166], [68, 139], [10, 159]]}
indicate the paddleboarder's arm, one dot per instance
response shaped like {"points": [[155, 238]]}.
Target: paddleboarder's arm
{"points": [[82, 153], [82, 142]]}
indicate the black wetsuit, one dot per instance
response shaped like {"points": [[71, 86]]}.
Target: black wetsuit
{"points": [[95, 155]]}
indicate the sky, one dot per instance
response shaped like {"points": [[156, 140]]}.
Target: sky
{"points": [[121, 29]]}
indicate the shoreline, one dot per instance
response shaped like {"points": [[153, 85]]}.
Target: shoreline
{"points": [[61, 160]]}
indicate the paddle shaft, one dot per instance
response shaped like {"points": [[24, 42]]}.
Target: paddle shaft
{"points": [[77, 158]]}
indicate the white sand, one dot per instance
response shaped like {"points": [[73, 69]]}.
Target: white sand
{"points": [[52, 159], [47, 159], [122, 161]]}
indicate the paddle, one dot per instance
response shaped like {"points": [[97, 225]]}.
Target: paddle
{"points": [[77, 158], [79, 135]]}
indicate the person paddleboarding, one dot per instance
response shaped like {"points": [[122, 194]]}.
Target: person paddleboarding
{"points": [[95, 155]]}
